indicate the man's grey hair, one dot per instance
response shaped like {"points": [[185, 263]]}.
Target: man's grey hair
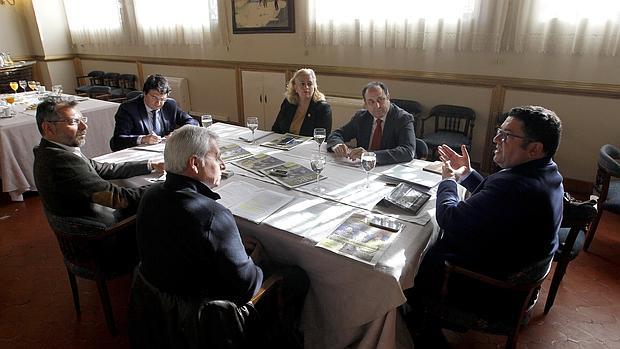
{"points": [[184, 143]]}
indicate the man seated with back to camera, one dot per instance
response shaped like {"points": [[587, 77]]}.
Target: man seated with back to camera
{"points": [[148, 118], [383, 128], [512, 218], [189, 244], [71, 185]]}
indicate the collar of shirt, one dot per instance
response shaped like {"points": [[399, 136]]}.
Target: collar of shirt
{"points": [[74, 150], [149, 111]]}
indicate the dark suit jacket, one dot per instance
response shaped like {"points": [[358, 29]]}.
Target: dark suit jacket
{"points": [[319, 114], [189, 244], [510, 221], [71, 186], [397, 142], [132, 120]]}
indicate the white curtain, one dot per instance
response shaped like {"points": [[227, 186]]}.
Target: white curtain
{"points": [[177, 22], [576, 27], [93, 21], [414, 24]]}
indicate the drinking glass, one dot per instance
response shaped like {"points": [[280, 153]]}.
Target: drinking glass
{"points": [[14, 85], [23, 84], [252, 123], [317, 163], [32, 85], [319, 136], [369, 160], [57, 89], [207, 120]]}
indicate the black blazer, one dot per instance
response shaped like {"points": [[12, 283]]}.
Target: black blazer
{"points": [[132, 121], [71, 186], [319, 114], [397, 142]]}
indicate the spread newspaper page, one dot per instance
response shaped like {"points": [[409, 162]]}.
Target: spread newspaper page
{"points": [[250, 202], [291, 174], [356, 238]]}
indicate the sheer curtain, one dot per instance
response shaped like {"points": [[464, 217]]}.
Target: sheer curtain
{"points": [[94, 22], [178, 22], [565, 27], [414, 24]]}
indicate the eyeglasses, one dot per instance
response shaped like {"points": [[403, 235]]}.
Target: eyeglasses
{"points": [[73, 121], [503, 135], [158, 99]]}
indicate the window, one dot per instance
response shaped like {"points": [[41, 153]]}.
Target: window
{"points": [[93, 22]]}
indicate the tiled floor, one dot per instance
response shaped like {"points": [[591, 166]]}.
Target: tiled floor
{"points": [[36, 310]]}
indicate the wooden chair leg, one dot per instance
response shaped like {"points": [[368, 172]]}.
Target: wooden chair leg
{"points": [[74, 292], [107, 307], [558, 275], [592, 230]]}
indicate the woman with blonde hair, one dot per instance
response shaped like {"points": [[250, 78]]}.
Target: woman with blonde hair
{"points": [[304, 107]]}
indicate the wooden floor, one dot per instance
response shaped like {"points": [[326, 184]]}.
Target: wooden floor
{"points": [[36, 309]]}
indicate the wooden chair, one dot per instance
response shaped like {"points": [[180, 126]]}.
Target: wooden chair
{"points": [[577, 217], [503, 316], [421, 149], [163, 320], [94, 78], [412, 107], [454, 126], [607, 186], [96, 252]]}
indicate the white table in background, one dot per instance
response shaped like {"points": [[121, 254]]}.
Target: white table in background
{"points": [[349, 303], [19, 135]]}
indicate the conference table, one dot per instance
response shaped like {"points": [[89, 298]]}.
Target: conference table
{"points": [[350, 303], [19, 134]]}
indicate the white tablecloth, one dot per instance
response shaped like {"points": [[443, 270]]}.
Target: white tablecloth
{"points": [[19, 135], [349, 304]]}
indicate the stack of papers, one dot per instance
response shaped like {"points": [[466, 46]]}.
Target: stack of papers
{"points": [[250, 202], [413, 175]]}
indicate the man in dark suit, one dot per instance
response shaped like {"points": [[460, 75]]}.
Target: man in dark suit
{"points": [[71, 185], [512, 217], [149, 117], [382, 128]]}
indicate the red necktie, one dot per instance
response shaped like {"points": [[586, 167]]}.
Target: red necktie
{"points": [[376, 136]]}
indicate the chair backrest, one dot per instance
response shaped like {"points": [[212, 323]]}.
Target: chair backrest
{"points": [[83, 244], [453, 118], [127, 81], [96, 77], [412, 107], [608, 166], [111, 79], [421, 149]]}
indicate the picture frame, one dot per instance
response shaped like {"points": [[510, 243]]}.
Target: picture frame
{"points": [[263, 16]]}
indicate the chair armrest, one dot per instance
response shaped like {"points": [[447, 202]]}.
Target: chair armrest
{"points": [[266, 287], [117, 99], [103, 97]]}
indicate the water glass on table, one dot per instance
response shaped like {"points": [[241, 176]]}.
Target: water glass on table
{"points": [[317, 163], [319, 136], [206, 120], [252, 123], [369, 161]]}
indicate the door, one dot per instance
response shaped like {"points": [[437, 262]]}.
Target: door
{"points": [[262, 95]]}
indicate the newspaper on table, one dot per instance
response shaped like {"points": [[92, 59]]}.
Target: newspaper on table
{"points": [[250, 202], [357, 239], [287, 141], [233, 152], [258, 162], [413, 175], [291, 174]]}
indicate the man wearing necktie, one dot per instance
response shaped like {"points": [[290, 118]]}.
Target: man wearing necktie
{"points": [[382, 127], [148, 118]]}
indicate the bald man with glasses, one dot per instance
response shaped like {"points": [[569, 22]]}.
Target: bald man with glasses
{"points": [[511, 219], [148, 118], [71, 185]]}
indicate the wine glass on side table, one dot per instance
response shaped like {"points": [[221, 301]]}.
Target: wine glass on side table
{"points": [[252, 123], [13, 85], [23, 84], [319, 136], [369, 161], [317, 163]]}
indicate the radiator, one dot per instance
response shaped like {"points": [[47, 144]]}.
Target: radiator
{"points": [[180, 92], [343, 109]]}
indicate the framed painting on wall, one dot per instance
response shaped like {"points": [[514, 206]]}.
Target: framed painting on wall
{"points": [[263, 16]]}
